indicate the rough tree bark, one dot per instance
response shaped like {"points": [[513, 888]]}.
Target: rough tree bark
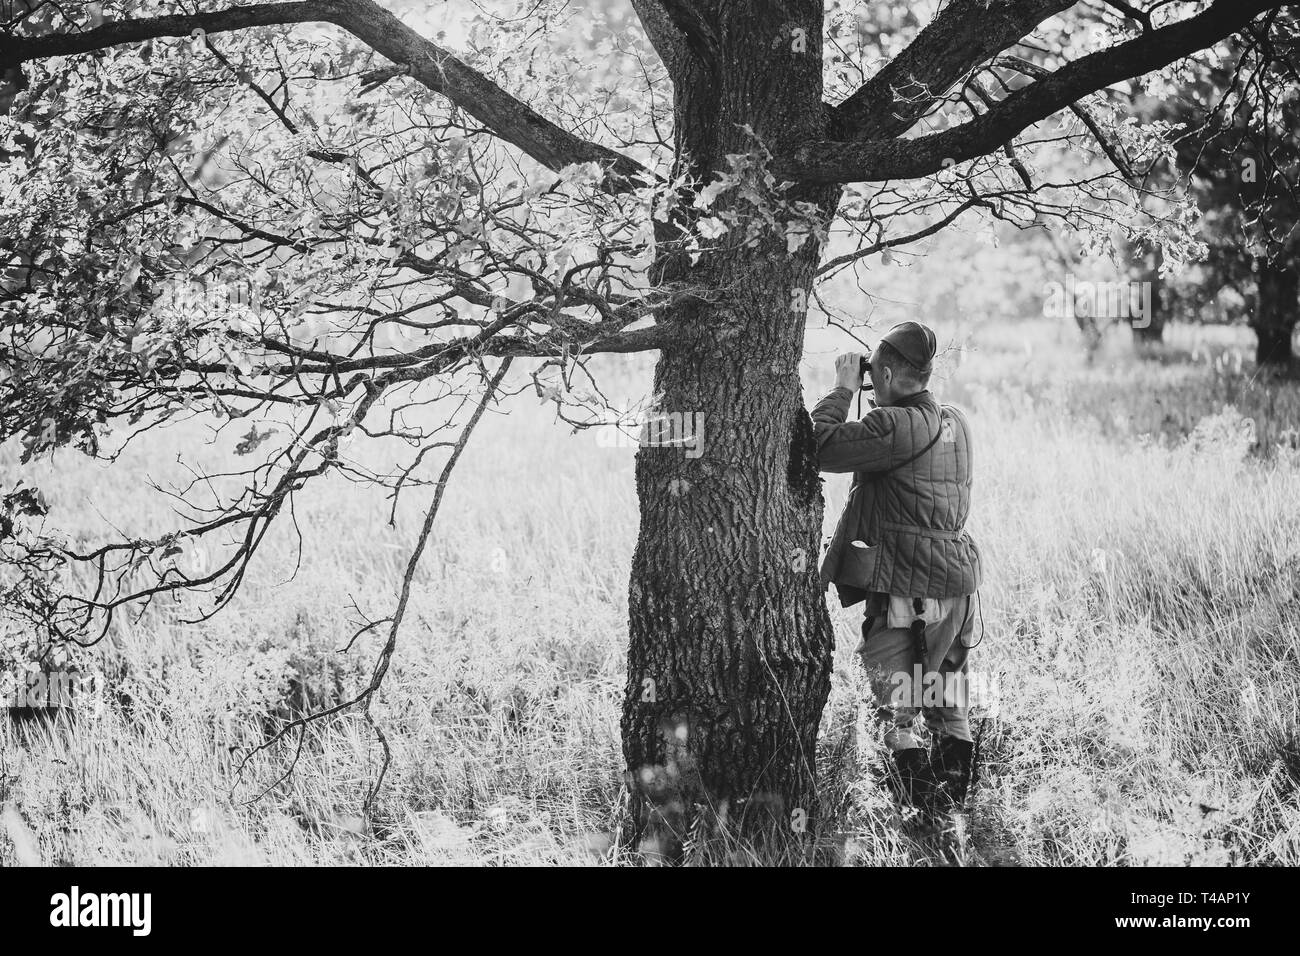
{"points": [[730, 645], [1274, 318]]}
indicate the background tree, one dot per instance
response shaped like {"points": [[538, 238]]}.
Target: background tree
{"points": [[374, 240], [1239, 156]]}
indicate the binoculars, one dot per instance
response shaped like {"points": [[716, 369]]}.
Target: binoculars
{"points": [[864, 366]]}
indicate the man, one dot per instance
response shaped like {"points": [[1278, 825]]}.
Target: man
{"points": [[901, 547]]}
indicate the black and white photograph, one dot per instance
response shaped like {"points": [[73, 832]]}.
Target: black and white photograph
{"points": [[650, 433]]}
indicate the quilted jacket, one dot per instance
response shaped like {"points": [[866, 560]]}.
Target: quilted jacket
{"points": [[903, 531]]}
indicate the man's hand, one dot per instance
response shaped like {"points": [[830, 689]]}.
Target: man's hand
{"points": [[848, 371]]}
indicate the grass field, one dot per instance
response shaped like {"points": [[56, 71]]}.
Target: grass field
{"points": [[1142, 615]]}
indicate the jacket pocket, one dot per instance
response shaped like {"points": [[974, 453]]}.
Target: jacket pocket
{"points": [[977, 565], [858, 565]]}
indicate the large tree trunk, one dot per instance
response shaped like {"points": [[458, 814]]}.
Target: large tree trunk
{"points": [[730, 651], [1275, 312]]}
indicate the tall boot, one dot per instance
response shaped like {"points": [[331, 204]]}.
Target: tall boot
{"points": [[912, 780], [950, 764]]}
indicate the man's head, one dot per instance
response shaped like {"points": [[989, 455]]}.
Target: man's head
{"points": [[902, 362]]}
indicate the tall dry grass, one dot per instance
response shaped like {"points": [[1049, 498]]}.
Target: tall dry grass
{"points": [[1142, 619]]}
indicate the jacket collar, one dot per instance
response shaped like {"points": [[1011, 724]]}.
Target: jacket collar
{"points": [[922, 397]]}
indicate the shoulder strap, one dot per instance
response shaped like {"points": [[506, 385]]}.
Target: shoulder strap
{"points": [[933, 441]]}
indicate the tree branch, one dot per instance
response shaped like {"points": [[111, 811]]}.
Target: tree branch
{"points": [[1132, 12], [963, 35], [669, 41], [507, 117], [16, 49], [697, 32], [876, 160], [1114, 152]]}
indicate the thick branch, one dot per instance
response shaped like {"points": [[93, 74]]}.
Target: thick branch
{"points": [[1113, 150], [841, 162], [507, 117], [17, 49], [693, 27], [669, 42], [963, 35]]}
